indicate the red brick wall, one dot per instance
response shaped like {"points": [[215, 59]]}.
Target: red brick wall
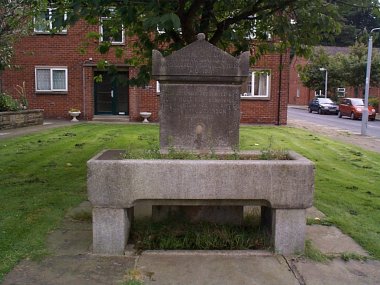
{"points": [[58, 50], [143, 100], [298, 94], [274, 109], [63, 51]]}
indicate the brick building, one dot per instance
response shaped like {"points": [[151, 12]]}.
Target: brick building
{"points": [[59, 77], [301, 95]]}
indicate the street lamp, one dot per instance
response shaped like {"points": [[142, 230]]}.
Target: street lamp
{"points": [[367, 79], [324, 69]]}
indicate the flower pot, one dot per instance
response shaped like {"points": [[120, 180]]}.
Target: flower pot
{"points": [[74, 115], [145, 115]]}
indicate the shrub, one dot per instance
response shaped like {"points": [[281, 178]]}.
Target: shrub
{"points": [[22, 95], [374, 102], [7, 103]]}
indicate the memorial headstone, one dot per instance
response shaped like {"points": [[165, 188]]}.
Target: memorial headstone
{"points": [[200, 111], [200, 97]]}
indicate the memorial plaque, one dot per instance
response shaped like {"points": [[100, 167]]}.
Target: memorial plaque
{"points": [[200, 97]]}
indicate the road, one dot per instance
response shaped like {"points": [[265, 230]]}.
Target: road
{"points": [[333, 122]]}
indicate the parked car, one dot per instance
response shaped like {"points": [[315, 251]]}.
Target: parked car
{"points": [[323, 106], [353, 107]]}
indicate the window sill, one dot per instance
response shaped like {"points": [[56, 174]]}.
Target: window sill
{"points": [[51, 92], [114, 43], [50, 33], [255, 98]]}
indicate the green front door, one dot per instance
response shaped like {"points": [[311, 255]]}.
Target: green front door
{"points": [[111, 94]]}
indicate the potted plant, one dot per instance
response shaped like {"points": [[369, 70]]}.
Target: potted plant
{"points": [[74, 113]]}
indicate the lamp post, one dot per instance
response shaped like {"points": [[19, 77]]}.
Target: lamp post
{"points": [[324, 69], [367, 79]]}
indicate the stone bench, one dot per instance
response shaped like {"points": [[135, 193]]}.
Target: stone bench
{"points": [[283, 187]]}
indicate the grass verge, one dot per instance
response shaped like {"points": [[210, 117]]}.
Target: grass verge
{"points": [[315, 254], [347, 256], [43, 175]]}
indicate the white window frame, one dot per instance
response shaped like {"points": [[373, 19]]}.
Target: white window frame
{"points": [[51, 69], [50, 11], [252, 79], [101, 33]]}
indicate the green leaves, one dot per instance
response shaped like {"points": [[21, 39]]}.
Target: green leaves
{"points": [[15, 21], [344, 69], [354, 66], [163, 23], [104, 47], [7, 103], [102, 64], [272, 26]]}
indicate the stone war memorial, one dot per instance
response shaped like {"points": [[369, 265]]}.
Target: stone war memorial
{"points": [[199, 112], [199, 101]]}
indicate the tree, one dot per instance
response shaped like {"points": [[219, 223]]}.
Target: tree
{"points": [[358, 17], [15, 21], [354, 67], [231, 25], [313, 78], [343, 69]]}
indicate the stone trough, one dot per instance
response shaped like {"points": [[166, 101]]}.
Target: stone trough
{"points": [[284, 189], [199, 112]]}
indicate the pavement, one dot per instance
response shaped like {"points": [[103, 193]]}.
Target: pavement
{"points": [[48, 124], [71, 260]]}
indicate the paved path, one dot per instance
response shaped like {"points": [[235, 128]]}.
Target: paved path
{"points": [[71, 262], [48, 124]]}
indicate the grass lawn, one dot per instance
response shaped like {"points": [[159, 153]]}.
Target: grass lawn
{"points": [[43, 175]]}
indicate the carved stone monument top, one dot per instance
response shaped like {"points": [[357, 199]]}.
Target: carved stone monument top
{"points": [[200, 61]]}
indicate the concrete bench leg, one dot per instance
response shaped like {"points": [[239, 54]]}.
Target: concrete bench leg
{"points": [[110, 230], [288, 230]]}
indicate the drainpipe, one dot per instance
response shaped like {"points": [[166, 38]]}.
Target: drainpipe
{"points": [[279, 91], [84, 91]]}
